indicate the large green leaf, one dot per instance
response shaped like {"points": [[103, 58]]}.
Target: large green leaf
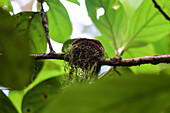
{"points": [[130, 6], [147, 24], [38, 98], [5, 4], [30, 26], [135, 94], [16, 64], [5, 104], [59, 23], [112, 24]]}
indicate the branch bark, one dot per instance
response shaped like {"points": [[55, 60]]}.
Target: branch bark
{"points": [[117, 61], [45, 25], [156, 59]]}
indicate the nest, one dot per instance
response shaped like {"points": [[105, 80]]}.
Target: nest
{"points": [[84, 55]]}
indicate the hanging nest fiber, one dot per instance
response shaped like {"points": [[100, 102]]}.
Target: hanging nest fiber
{"points": [[84, 55]]}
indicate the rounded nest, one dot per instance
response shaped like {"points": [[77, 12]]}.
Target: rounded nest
{"points": [[85, 53]]}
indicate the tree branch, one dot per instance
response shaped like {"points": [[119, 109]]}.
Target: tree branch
{"points": [[159, 8], [45, 25], [117, 61], [137, 61], [50, 56]]}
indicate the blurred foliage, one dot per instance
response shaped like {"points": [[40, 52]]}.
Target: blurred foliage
{"points": [[5, 4], [143, 93], [16, 64], [134, 26], [50, 69], [44, 93], [5, 104]]}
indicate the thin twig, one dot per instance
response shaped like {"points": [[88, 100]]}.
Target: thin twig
{"points": [[45, 25], [105, 73], [159, 8], [156, 59]]}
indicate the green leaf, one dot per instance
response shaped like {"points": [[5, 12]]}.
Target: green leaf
{"points": [[167, 6], [38, 98], [162, 46], [60, 27], [5, 104], [135, 94], [16, 97], [67, 44], [16, 64], [112, 24], [51, 68], [130, 6], [30, 26], [74, 1], [137, 44], [5, 4], [164, 6], [147, 24]]}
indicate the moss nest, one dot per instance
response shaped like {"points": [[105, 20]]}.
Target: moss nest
{"points": [[84, 55]]}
